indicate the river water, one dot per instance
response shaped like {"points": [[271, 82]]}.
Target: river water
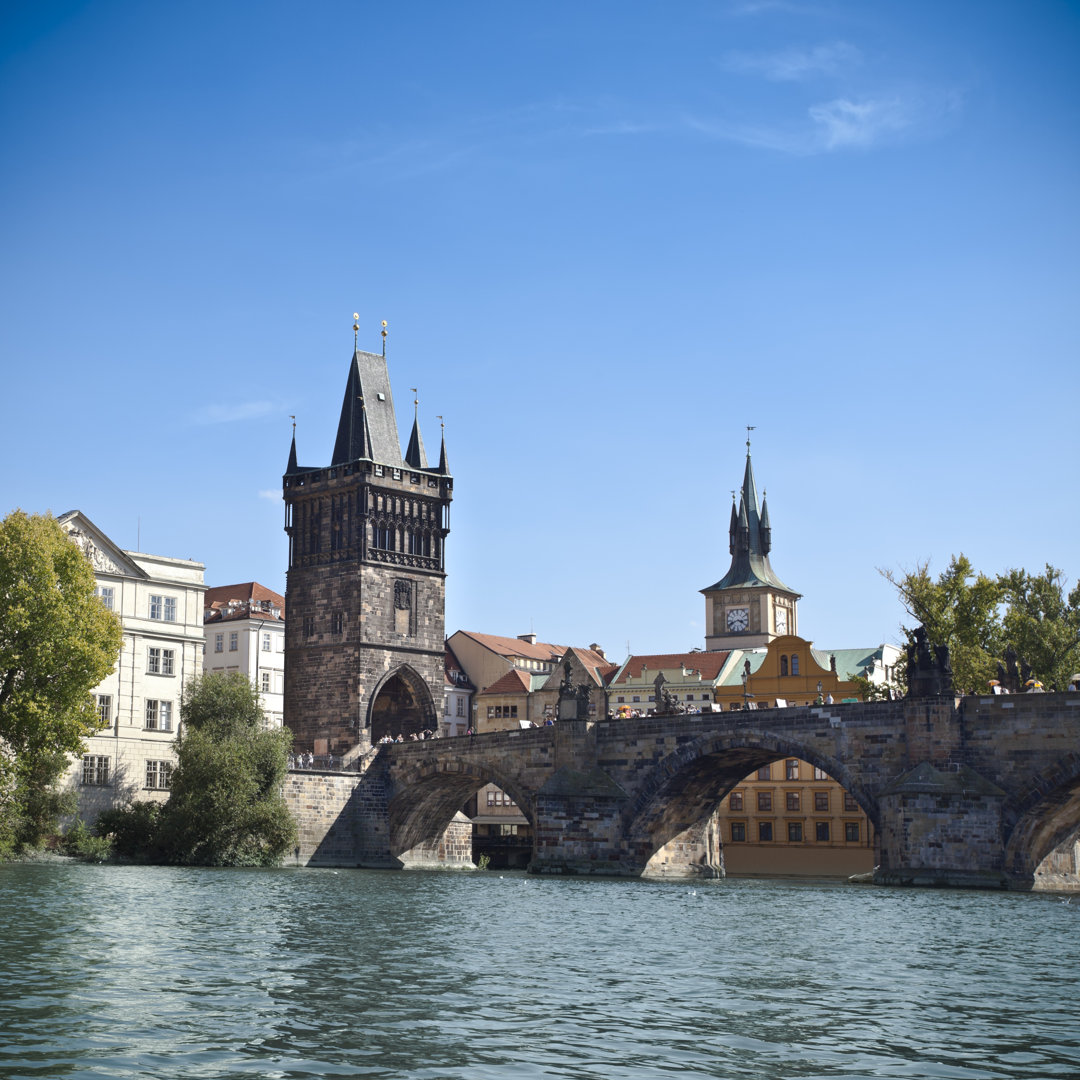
{"points": [[110, 971]]}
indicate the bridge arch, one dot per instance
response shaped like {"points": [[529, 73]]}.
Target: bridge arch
{"points": [[1044, 818], [688, 785], [401, 705], [428, 795]]}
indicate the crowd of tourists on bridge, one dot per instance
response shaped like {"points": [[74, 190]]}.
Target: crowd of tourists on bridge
{"points": [[416, 736]]}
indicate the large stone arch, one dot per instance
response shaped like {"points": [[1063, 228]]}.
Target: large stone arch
{"points": [[1044, 817], [688, 785], [402, 704], [427, 796]]}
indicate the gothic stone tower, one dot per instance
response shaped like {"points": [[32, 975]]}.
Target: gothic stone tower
{"points": [[364, 598], [749, 605]]}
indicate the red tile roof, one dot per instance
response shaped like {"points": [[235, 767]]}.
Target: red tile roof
{"points": [[513, 682], [509, 647], [248, 600], [709, 664]]}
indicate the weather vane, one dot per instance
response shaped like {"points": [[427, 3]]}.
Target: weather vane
{"points": [[293, 419], [384, 337], [356, 329], [415, 401], [749, 428]]}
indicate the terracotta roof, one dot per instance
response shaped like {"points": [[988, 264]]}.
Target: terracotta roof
{"points": [[248, 600], [509, 647], [710, 664], [594, 663], [513, 682]]}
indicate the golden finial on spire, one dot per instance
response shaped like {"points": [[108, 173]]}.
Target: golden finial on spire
{"points": [[293, 419], [415, 401], [356, 329], [749, 428], [384, 337]]}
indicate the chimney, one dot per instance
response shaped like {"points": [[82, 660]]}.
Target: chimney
{"points": [[529, 639], [596, 649]]}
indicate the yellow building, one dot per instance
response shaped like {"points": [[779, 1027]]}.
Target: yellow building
{"points": [[789, 817]]}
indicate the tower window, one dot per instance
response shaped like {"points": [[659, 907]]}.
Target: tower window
{"points": [[794, 663], [783, 666]]}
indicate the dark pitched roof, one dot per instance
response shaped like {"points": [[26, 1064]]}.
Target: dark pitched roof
{"points": [[368, 428]]}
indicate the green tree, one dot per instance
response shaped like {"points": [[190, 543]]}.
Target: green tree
{"points": [[1042, 624], [961, 609], [226, 806], [57, 642]]}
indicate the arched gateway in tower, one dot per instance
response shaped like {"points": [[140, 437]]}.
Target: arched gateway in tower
{"points": [[365, 591]]}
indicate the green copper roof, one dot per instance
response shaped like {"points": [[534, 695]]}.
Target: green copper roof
{"points": [[750, 539]]}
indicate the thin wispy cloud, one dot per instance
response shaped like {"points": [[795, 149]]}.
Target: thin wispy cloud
{"points": [[231, 414], [843, 122], [273, 494], [795, 64]]}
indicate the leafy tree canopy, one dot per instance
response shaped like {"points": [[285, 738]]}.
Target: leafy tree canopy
{"points": [[1043, 624], [226, 806], [978, 617], [57, 642]]}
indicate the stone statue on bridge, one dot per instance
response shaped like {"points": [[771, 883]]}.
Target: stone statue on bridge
{"points": [[929, 670]]}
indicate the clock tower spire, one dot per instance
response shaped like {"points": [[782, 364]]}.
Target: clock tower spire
{"points": [[749, 605]]}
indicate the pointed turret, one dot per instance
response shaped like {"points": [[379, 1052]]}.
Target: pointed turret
{"points": [[415, 455], [764, 529], [733, 527], [291, 467], [443, 469]]}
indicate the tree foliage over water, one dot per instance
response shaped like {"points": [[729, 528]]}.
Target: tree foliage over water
{"points": [[979, 617], [226, 806], [57, 642]]}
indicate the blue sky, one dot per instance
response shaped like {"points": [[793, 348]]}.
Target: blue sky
{"points": [[606, 237]]}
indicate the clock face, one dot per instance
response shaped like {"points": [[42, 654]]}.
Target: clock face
{"points": [[781, 621], [738, 619]]}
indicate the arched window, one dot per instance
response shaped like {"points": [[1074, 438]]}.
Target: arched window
{"points": [[783, 666], [794, 663]]}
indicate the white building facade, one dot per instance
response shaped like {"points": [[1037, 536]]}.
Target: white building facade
{"points": [[160, 602], [245, 631]]}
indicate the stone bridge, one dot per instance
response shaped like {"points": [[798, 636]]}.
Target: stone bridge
{"points": [[973, 791]]}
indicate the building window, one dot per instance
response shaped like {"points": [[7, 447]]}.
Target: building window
{"points": [[851, 806], [95, 770], [794, 832], [337, 622], [820, 774], [104, 709], [735, 800], [763, 773], [219, 643], [309, 626], [764, 800], [460, 709], [163, 608], [636, 697], [794, 663], [234, 640], [793, 800], [159, 661], [738, 832], [265, 679], [851, 832], [783, 666], [107, 595], [822, 829], [502, 712], [821, 802], [158, 715], [791, 769], [266, 642], [764, 832], [158, 774]]}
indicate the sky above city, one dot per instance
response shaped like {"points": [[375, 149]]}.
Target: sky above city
{"points": [[607, 239]]}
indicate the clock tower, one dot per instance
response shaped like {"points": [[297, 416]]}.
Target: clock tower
{"points": [[749, 605]]}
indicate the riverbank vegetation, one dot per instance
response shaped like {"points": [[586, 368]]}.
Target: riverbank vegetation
{"points": [[57, 642], [225, 807]]}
